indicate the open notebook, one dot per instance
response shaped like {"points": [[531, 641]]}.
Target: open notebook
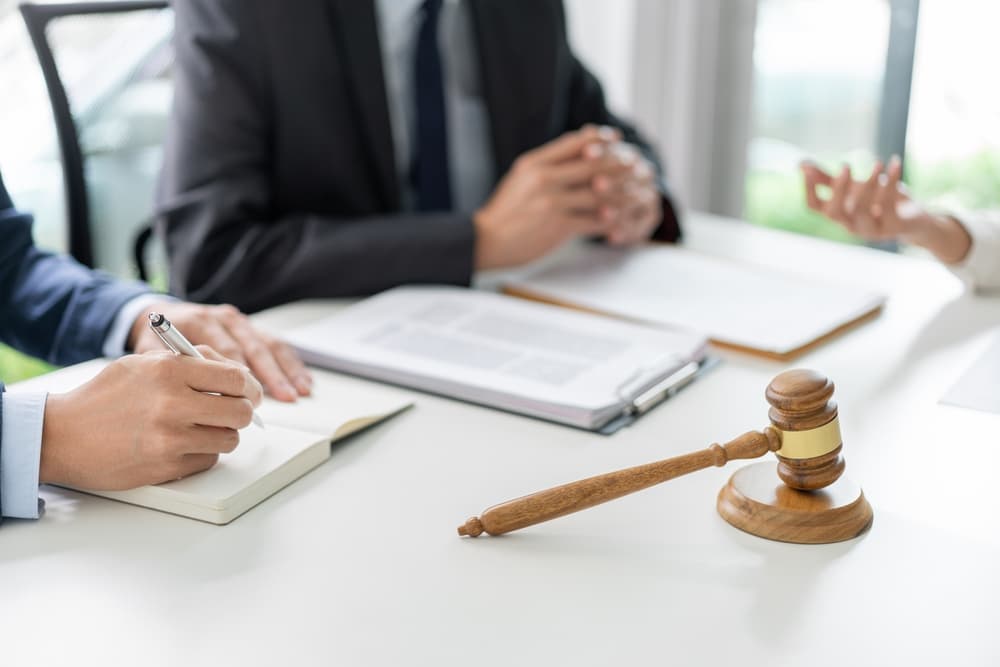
{"points": [[750, 308], [296, 439], [553, 363]]}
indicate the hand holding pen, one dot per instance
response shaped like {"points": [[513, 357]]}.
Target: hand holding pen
{"points": [[175, 341], [147, 419]]}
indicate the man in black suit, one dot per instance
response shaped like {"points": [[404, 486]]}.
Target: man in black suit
{"points": [[340, 147]]}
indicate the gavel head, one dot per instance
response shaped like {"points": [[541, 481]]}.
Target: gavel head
{"points": [[801, 409]]}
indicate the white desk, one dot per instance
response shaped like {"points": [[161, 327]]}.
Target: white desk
{"points": [[358, 563]]}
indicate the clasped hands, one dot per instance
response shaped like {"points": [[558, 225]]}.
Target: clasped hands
{"points": [[153, 417], [585, 183]]}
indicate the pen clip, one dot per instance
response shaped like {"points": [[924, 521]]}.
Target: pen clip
{"points": [[664, 389], [641, 377]]}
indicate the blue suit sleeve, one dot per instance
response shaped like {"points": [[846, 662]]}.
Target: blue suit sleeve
{"points": [[50, 306]]}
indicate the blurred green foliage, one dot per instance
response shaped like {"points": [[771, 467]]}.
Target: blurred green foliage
{"points": [[15, 366], [973, 182], [777, 199]]}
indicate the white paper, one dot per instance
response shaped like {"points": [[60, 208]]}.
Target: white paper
{"points": [[979, 387], [730, 302]]}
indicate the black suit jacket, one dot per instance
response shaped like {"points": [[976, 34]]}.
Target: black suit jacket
{"points": [[279, 181]]}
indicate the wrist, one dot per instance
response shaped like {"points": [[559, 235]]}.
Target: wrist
{"points": [[136, 331], [483, 244], [944, 236], [50, 467]]}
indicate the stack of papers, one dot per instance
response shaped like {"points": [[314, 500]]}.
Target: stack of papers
{"points": [[557, 364]]}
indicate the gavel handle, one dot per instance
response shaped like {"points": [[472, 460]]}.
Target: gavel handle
{"points": [[575, 496]]}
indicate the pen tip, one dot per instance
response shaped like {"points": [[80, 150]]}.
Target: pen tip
{"points": [[156, 319]]}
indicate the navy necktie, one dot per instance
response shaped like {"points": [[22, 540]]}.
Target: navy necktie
{"points": [[430, 165]]}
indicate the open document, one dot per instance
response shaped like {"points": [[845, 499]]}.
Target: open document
{"points": [[556, 364]]}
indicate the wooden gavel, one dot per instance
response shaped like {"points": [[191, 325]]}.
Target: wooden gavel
{"points": [[804, 434]]}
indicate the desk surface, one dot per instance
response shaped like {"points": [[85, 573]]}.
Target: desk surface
{"points": [[358, 563]]}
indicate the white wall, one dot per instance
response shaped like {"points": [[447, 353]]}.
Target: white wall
{"points": [[602, 35], [681, 71]]}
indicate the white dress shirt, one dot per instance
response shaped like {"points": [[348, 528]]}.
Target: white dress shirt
{"points": [[470, 148], [981, 267], [23, 416]]}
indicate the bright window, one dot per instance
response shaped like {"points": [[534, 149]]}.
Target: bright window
{"points": [[849, 81], [815, 96], [953, 138]]}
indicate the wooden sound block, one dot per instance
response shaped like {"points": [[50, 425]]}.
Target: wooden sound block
{"points": [[756, 501]]}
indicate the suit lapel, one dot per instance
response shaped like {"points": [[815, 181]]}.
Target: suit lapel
{"points": [[499, 77], [356, 28], [517, 74]]}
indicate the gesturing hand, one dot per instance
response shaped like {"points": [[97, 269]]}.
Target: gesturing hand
{"points": [[230, 332], [880, 209], [146, 419]]}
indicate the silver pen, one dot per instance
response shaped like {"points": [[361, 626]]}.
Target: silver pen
{"points": [[178, 344]]}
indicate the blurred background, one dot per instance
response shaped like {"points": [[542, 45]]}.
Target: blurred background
{"points": [[735, 92]]}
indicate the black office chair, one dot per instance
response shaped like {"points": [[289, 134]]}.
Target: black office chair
{"points": [[37, 18]]}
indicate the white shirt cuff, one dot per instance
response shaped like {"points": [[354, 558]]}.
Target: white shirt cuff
{"points": [[117, 339], [981, 267], [21, 454]]}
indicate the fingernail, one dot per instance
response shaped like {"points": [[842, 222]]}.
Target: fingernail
{"points": [[627, 157], [607, 133], [593, 150]]}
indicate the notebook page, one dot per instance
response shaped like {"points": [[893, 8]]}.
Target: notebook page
{"points": [[334, 402], [261, 453]]}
